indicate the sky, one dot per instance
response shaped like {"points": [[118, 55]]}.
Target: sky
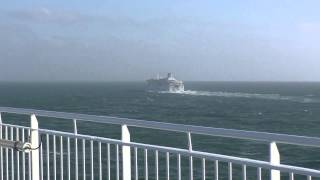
{"points": [[126, 40]]}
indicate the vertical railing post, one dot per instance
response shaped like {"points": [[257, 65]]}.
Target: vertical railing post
{"points": [[190, 158], [34, 137], [126, 153], [274, 160], [75, 131], [1, 151]]}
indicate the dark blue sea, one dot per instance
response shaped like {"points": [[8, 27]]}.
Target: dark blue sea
{"points": [[279, 107]]}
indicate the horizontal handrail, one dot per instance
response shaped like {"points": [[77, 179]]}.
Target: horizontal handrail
{"points": [[185, 152], [220, 132]]}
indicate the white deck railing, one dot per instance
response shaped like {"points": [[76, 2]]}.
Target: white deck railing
{"points": [[69, 155]]}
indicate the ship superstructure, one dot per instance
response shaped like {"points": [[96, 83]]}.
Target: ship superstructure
{"points": [[168, 83]]}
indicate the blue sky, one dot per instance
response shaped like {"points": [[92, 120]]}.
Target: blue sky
{"points": [[133, 40]]}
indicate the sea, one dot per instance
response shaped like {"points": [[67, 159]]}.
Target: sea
{"points": [[277, 107]]}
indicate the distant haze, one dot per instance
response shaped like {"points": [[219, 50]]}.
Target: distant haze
{"points": [[232, 40]]}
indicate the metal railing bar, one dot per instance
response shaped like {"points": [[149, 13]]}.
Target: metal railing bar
{"points": [[244, 172], [12, 155], [54, 158], [136, 163], [190, 167], [190, 158], [91, 158], [309, 173], [68, 160], [61, 157], [259, 177], [231, 133], [216, 170], [100, 161], [12, 125], [117, 162], [7, 159], [291, 176], [203, 169], [84, 158], [76, 166], [230, 171], [198, 154], [48, 157], [108, 161], [1, 152], [23, 157], [41, 162], [29, 155], [179, 167], [168, 165], [146, 176], [156, 165]]}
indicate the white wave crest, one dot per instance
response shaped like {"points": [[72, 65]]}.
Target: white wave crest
{"points": [[300, 99]]}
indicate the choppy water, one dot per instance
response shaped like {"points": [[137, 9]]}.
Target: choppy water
{"points": [[292, 108]]}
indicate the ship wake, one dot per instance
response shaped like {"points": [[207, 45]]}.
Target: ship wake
{"points": [[300, 99]]}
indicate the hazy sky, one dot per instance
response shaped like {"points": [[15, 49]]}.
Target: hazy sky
{"points": [[101, 40]]}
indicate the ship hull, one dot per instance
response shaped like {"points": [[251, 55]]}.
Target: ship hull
{"points": [[164, 85]]}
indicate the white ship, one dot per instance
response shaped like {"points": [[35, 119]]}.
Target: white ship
{"points": [[168, 83]]}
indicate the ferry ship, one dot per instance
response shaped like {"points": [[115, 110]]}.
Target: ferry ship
{"points": [[168, 83]]}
